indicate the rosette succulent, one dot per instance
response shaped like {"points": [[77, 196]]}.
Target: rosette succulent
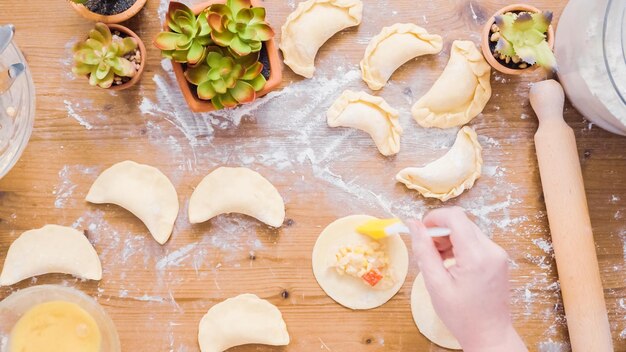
{"points": [[101, 57], [523, 36], [239, 26], [189, 35], [227, 80]]}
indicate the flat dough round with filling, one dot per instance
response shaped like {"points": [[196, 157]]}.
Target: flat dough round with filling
{"points": [[352, 292], [426, 318]]}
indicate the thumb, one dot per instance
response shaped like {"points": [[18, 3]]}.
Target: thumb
{"points": [[428, 258]]}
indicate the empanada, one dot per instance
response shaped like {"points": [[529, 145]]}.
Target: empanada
{"points": [[392, 47], [241, 320], [50, 249], [141, 189], [236, 190], [448, 176], [370, 114], [460, 93], [310, 26]]}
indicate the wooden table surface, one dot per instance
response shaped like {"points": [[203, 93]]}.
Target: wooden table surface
{"points": [[157, 294]]}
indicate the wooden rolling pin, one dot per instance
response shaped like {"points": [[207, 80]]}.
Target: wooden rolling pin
{"points": [[568, 215]]}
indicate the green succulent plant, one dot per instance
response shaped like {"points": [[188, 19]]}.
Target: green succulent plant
{"points": [[239, 26], [227, 80], [189, 35], [524, 35], [101, 57]]}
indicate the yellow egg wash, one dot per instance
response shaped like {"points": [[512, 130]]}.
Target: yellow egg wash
{"points": [[55, 326]]}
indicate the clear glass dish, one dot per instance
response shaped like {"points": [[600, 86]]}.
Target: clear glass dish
{"points": [[17, 111], [18, 303]]}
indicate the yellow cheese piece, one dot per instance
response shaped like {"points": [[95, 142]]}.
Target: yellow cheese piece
{"points": [[56, 326]]}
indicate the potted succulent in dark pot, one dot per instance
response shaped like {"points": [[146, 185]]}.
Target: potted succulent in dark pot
{"points": [[223, 53], [519, 38], [112, 57], [107, 11]]}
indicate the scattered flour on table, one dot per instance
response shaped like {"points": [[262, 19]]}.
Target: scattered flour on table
{"points": [[176, 257], [64, 189], [68, 60], [71, 112]]}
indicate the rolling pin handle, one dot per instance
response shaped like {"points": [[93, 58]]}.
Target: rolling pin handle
{"points": [[547, 99]]}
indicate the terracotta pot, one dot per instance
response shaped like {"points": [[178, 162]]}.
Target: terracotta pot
{"points": [[487, 30], [142, 51], [189, 92], [120, 17]]}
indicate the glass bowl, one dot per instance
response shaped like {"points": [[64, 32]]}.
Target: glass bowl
{"points": [[590, 48], [18, 303], [17, 111]]}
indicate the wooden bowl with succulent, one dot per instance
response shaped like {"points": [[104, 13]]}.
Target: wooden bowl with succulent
{"points": [[107, 11], [223, 53], [519, 38], [112, 57]]}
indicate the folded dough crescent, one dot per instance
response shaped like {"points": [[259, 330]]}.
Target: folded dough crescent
{"points": [[242, 320], [460, 93], [370, 114], [448, 176], [141, 189], [236, 190], [50, 249], [311, 24], [394, 46]]}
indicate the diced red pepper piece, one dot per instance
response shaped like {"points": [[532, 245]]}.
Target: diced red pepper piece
{"points": [[372, 277]]}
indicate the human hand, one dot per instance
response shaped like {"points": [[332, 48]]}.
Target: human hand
{"points": [[472, 296]]}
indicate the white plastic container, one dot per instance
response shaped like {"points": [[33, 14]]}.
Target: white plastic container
{"points": [[590, 47]]}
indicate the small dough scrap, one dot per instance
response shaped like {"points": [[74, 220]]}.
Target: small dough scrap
{"points": [[370, 114], [426, 318], [236, 190], [349, 291], [450, 175], [311, 24], [394, 46], [141, 189], [50, 249], [460, 93], [242, 320]]}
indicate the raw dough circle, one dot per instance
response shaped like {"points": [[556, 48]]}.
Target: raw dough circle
{"points": [[426, 319], [348, 291]]}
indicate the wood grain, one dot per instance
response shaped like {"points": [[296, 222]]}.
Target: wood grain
{"points": [[159, 309]]}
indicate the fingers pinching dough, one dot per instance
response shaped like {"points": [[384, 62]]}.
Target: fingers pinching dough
{"points": [[141, 189], [370, 114], [460, 93], [50, 249], [236, 190], [310, 26], [392, 47], [242, 320], [448, 176]]}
